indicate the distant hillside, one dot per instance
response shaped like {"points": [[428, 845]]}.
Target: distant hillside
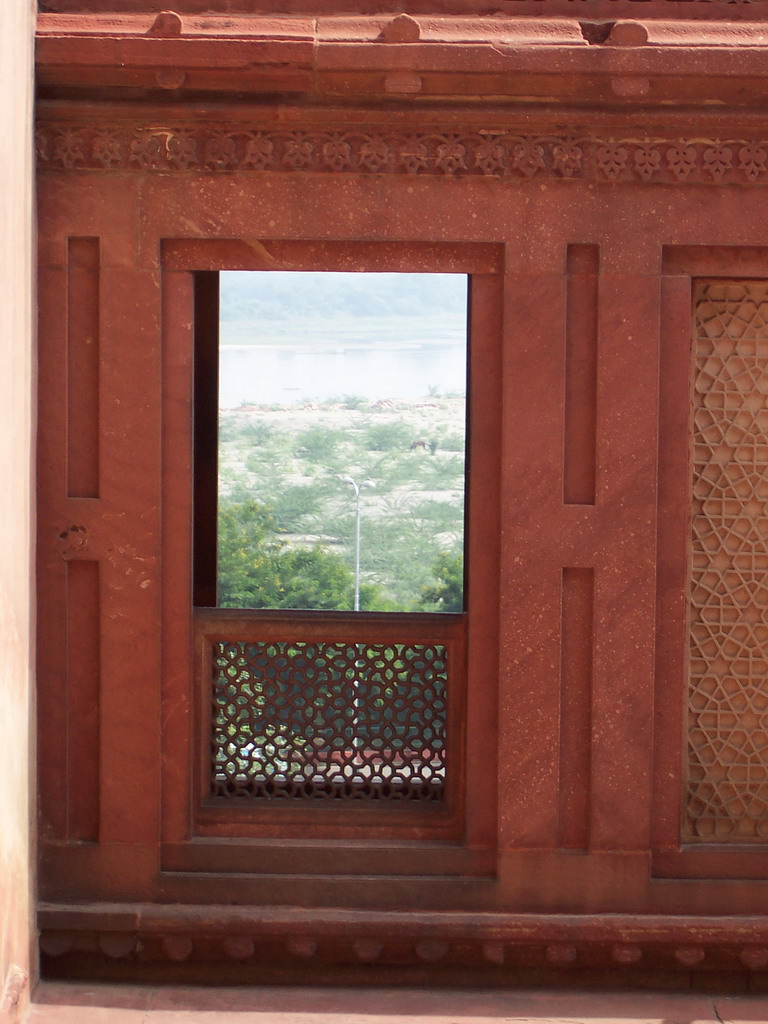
{"points": [[279, 296]]}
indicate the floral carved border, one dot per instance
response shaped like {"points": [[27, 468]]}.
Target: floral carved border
{"points": [[576, 156]]}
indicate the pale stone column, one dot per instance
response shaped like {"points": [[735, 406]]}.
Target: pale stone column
{"points": [[16, 591]]}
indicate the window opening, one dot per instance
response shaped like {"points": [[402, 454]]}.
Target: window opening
{"points": [[341, 454], [337, 404]]}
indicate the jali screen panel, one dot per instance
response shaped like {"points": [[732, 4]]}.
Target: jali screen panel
{"points": [[727, 797], [329, 720]]}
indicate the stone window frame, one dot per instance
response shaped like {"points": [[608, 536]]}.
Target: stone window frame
{"points": [[236, 827]]}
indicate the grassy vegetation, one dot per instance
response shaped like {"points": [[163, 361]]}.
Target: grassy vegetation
{"points": [[284, 506]]}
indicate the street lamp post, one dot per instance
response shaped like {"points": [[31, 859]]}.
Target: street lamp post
{"points": [[358, 487], [357, 739]]}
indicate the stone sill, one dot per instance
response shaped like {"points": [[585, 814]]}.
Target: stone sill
{"points": [[73, 1003]]}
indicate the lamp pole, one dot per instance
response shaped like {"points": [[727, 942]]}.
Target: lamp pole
{"points": [[357, 739], [357, 487]]}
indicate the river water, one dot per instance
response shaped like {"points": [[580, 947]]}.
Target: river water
{"points": [[293, 337], [284, 374]]}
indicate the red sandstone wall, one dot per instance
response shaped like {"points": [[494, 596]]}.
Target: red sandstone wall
{"points": [[16, 64]]}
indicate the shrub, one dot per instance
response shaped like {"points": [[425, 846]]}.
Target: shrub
{"points": [[396, 435], [319, 443], [257, 570], [446, 594]]}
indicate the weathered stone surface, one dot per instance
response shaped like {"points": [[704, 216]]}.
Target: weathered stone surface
{"points": [[587, 177]]}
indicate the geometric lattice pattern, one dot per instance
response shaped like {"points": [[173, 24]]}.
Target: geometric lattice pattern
{"points": [[319, 720], [727, 797]]}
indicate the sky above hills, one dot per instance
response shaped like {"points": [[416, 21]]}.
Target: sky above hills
{"points": [[278, 299]]}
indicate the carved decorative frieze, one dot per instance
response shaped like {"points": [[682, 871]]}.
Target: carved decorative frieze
{"points": [[494, 153]]}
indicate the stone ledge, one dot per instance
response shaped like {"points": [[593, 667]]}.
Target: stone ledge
{"points": [[150, 933]]}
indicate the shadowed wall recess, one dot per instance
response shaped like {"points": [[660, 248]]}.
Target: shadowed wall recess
{"points": [[83, 285], [583, 264], [576, 707], [83, 700]]}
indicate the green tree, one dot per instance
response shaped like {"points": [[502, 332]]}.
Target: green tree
{"points": [[447, 593], [258, 570]]}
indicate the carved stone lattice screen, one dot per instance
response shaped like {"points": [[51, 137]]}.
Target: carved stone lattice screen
{"points": [[728, 726], [327, 720]]}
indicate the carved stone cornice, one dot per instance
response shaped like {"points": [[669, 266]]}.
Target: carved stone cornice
{"points": [[557, 59], [579, 155], [647, 9], [249, 937]]}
